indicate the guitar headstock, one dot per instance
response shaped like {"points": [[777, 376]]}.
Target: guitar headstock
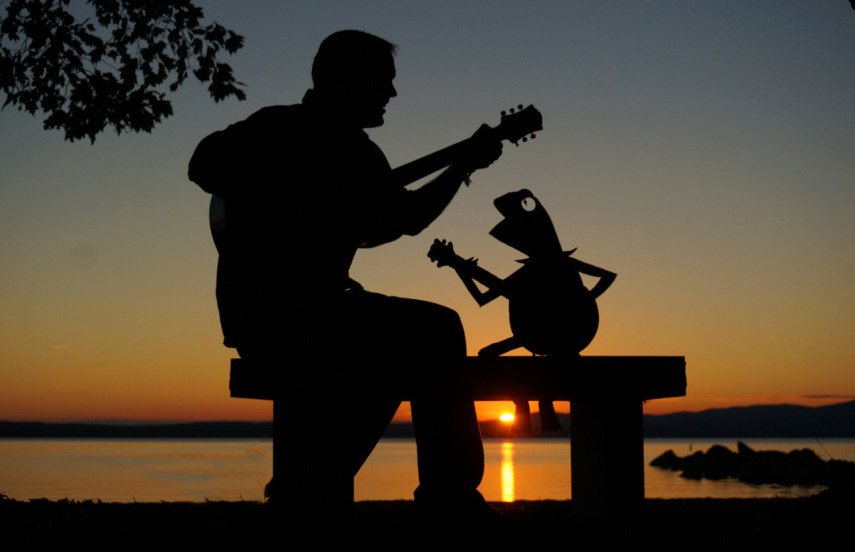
{"points": [[442, 253], [519, 124]]}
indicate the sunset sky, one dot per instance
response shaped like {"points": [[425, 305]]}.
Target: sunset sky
{"points": [[702, 150]]}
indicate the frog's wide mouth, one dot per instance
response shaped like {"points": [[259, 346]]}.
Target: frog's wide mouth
{"points": [[526, 226]]}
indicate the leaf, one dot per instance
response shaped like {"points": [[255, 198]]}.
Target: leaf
{"points": [[109, 71]]}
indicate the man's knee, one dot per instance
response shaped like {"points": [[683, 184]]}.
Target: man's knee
{"points": [[443, 329], [445, 316]]}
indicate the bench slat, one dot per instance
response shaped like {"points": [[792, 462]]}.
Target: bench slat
{"points": [[530, 377]]}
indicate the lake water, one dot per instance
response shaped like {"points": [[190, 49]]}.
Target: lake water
{"points": [[198, 470]]}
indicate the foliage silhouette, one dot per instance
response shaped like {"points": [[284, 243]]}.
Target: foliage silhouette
{"points": [[109, 69]]}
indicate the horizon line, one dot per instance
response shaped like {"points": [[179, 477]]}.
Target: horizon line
{"points": [[143, 421]]}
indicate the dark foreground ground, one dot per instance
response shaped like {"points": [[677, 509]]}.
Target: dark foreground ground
{"points": [[823, 522]]}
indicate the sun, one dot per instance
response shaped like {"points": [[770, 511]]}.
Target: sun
{"points": [[507, 417]]}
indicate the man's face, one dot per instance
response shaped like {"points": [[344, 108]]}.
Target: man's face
{"points": [[369, 91]]}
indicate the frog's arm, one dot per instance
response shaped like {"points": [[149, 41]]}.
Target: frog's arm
{"points": [[606, 277], [442, 253], [469, 272]]}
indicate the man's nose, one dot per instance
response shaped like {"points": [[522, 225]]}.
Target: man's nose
{"points": [[392, 91]]}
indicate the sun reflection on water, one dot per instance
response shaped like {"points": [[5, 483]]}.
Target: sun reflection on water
{"points": [[508, 493]]}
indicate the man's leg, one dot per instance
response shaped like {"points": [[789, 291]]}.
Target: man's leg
{"points": [[345, 387], [417, 346], [450, 452], [329, 413]]}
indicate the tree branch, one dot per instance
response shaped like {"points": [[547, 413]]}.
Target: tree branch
{"points": [[86, 78]]}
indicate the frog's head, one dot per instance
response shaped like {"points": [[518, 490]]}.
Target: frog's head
{"points": [[526, 226]]}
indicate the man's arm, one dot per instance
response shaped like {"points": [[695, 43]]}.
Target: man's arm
{"points": [[429, 201]]}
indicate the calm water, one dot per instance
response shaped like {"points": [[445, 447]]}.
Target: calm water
{"points": [[196, 470]]}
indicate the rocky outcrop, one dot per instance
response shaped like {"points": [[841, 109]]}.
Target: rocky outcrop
{"points": [[798, 467]]}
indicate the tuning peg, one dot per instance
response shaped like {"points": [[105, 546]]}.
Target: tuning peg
{"points": [[519, 106], [533, 136], [503, 113], [524, 139], [513, 110]]}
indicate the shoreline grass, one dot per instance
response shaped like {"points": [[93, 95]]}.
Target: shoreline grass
{"points": [[819, 522]]}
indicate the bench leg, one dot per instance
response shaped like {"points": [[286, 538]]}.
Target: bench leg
{"points": [[606, 458], [307, 478]]}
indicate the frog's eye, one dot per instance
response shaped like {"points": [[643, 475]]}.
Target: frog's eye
{"points": [[528, 204]]}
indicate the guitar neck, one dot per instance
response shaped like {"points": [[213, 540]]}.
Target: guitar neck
{"points": [[514, 126], [472, 270], [429, 164]]}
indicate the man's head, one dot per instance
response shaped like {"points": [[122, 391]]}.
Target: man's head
{"points": [[353, 73]]}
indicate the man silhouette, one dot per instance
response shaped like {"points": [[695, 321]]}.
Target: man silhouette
{"points": [[304, 188]]}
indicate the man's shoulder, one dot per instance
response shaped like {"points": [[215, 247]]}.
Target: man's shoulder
{"points": [[271, 126], [277, 115]]}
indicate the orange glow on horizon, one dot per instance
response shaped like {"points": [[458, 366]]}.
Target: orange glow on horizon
{"points": [[217, 406]]}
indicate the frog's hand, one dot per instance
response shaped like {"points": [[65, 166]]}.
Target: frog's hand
{"points": [[606, 277], [442, 253]]}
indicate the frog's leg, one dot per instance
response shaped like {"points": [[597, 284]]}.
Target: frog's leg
{"points": [[500, 348], [522, 419], [548, 417], [522, 413]]}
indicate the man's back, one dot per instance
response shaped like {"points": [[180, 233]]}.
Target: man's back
{"points": [[301, 195]]}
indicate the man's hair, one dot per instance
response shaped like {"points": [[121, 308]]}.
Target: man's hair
{"points": [[341, 53]]}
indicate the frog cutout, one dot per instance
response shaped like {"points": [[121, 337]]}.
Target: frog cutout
{"points": [[551, 311]]}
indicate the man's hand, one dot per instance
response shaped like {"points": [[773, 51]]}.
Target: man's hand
{"points": [[483, 149]]}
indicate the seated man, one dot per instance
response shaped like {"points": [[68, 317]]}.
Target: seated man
{"points": [[304, 188]]}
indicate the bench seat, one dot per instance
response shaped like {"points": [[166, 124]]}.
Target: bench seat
{"points": [[531, 377]]}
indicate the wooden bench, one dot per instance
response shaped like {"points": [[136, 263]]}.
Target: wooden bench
{"points": [[606, 419]]}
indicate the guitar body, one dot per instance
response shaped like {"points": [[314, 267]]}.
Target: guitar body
{"points": [[550, 311]]}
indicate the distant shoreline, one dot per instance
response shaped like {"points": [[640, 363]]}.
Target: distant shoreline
{"points": [[766, 421]]}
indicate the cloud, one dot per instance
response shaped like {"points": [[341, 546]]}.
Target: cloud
{"points": [[826, 397]]}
